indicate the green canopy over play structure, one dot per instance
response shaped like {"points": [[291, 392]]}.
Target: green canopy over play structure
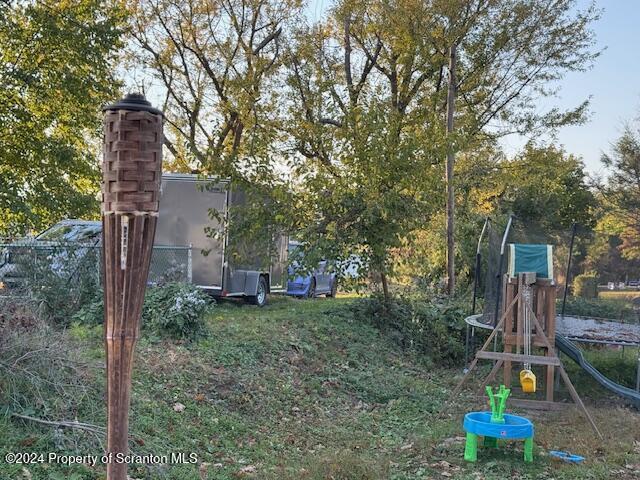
{"points": [[530, 258]]}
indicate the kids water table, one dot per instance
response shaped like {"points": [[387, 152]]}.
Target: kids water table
{"points": [[480, 424]]}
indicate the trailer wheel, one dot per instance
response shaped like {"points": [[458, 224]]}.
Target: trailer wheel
{"points": [[260, 299]]}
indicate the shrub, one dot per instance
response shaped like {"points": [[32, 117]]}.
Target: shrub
{"points": [[91, 312], [613, 309], [59, 279], [176, 310], [586, 285], [433, 326]]}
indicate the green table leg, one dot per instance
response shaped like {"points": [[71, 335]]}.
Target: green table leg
{"points": [[491, 442], [528, 449], [471, 448]]}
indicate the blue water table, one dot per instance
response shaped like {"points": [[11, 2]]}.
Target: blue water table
{"points": [[496, 425]]}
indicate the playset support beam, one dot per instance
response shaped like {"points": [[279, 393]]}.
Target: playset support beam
{"points": [[542, 313]]}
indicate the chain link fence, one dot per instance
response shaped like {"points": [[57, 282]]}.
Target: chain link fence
{"points": [[26, 265]]}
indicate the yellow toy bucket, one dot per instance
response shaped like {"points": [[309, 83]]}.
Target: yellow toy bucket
{"points": [[527, 381]]}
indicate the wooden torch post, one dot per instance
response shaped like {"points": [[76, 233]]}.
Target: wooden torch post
{"points": [[131, 169]]}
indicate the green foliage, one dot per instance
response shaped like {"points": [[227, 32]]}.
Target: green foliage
{"points": [[216, 64], [91, 312], [176, 310], [431, 325], [221, 107], [547, 188], [622, 190], [58, 279], [367, 122], [56, 70], [613, 309], [586, 285], [367, 172], [605, 254]]}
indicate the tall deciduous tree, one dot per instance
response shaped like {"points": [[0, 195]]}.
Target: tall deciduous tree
{"points": [[547, 189], [371, 101], [622, 190], [510, 53], [215, 62], [56, 71], [362, 124]]}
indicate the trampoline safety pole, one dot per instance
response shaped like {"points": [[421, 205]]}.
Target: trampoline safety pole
{"points": [[638, 374], [500, 265], [574, 228], [476, 276]]}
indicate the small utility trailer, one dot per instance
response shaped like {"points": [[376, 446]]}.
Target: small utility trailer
{"points": [[194, 211]]}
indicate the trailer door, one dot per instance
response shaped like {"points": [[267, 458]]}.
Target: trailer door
{"points": [[184, 220]]}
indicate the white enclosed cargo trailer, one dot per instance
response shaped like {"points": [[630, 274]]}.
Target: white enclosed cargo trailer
{"points": [[194, 212]]}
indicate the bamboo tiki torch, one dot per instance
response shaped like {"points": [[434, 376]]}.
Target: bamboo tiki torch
{"points": [[132, 167]]}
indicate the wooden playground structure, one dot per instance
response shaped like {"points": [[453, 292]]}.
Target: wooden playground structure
{"points": [[526, 321]]}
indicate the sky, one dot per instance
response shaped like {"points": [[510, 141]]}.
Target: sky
{"points": [[613, 83]]}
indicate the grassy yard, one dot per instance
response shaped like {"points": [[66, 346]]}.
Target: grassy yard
{"points": [[299, 390], [626, 296]]}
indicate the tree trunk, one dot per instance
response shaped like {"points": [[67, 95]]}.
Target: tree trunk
{"points": [[451, 97], [385, 287]]}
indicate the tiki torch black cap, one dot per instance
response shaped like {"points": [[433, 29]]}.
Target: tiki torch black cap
{"points": [[135, 102]]}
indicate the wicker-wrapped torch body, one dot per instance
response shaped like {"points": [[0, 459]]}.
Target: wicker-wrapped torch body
{"points": [[132, 168]]}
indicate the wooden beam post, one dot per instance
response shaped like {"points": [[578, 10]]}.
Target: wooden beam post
{"points": [[486, 344], [451, 157], [572, 391]]}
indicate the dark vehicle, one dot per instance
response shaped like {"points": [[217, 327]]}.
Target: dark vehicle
{"points": [[60, 247]]}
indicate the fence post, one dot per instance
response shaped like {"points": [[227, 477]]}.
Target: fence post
{"points": [[190, 264]]}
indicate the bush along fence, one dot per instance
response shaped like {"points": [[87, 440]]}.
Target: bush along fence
{"points": [[29, 266]]}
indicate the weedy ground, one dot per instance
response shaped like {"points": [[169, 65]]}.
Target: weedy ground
{"points": [[299, 390]]}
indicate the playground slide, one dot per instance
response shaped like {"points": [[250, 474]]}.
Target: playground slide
{"points": [[570, 349]]}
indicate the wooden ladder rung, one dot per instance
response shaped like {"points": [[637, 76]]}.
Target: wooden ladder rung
{"points": [[515, 357]]}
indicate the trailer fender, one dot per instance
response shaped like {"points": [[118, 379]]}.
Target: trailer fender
{"points": [[251, 283]]}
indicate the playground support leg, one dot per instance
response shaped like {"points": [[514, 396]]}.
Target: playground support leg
{"points": [[466, 347], [528, 449], [471, 447], [490, 442]]}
